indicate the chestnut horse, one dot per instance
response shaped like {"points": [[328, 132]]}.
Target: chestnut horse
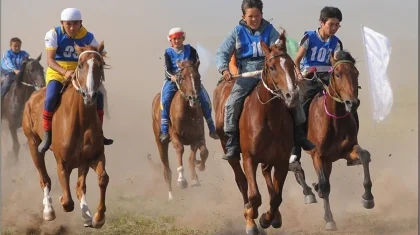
{"points": [[333, 129], [30, 78], [77, 141], [266, 133], [186, 125]]}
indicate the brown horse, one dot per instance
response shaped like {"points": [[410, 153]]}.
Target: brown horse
{"points": [[333, 129], [266, 133], [77, 140], [186, 125], [30, 78]]}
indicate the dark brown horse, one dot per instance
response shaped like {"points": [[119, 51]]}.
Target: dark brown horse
{"points": [[30, 78], [186, 125], [333, 129], [77, 141], [266, 133]]}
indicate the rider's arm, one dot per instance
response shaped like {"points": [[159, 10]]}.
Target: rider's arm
{"points": [[339, 47], [51, 47], [8, 62], [225, 51], [168, 66], [303, 46]]}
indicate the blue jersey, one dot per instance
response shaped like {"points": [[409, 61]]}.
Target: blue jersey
{"points": [[319, 52], [65, 45], [249, 45], [174, 57], [12, 61]]}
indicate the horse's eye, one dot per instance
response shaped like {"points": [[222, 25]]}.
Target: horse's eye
{"points": [[272, 68]]}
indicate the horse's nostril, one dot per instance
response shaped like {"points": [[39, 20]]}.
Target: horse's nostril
{"points": [[348, 103], [288, 96]]}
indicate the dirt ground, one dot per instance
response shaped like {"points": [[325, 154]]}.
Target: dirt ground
{"points": [[137, 194]]}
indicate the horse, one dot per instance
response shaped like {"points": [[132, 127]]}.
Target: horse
{"points": [[333, 128], [266, 133], [106, 105], [77, 141], [30, 78], [186, 126]]}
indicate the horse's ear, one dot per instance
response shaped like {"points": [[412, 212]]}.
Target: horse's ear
{"points": [[282, 40], [264, 47], [39, 57], [101, 47], [179, 63], [197, 63], [78, 49]]}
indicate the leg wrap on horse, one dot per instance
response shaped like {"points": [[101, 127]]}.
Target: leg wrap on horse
{"points": [[205, 104], [7, 83]]}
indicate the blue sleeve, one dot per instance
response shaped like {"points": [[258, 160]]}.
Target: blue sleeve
{"points": [[225, 51], [274, 35], [168, 66], [8, 62], [194, 54]]}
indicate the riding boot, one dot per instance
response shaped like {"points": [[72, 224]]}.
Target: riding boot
{"points": [[101, 119], [300, 138], [232, 146], [47, 125], [164, 138], [212, 129]]}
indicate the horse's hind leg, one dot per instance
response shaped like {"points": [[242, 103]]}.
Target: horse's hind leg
{"points": [[364, 157], [99, 166], [45, 181], [192, 161], [254, 196], [323, 169], [16, 145], [106, 106], [296, 167], [81, 195], [266, 172], [179, 149], [167, 173], [273, 214]]}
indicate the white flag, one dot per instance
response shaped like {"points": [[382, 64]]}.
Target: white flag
{"points": [[378, 52], [206, 59]]}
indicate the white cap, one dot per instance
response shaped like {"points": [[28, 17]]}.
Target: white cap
{"points": [[71, 14], [176, 32]]}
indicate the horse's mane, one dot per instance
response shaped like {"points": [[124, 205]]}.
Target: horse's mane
{"points": [[344, 55]]}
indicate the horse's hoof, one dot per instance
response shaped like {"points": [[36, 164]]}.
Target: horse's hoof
{"points": [[49, 214], [182, 184], [330, 226], [88, 224], [310, 199], [195, 183], [263, 223], [69, 207], [252, 231], [277, 222], [368, 204], [99, 224]]}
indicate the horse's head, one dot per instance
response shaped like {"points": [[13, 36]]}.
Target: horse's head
{"points": [[89, 73], [344, 80], [279, 71], [189, 81], [32, 73]]}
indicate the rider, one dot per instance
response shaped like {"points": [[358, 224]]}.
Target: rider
{"points": [[317, 49], [244, 42], [179, 51], [11, 61], [62, 62]]}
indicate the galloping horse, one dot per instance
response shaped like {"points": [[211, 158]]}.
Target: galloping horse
{"points": [[77, 139], [30, 78], [186, 125], [266, 133], [333, 128]]}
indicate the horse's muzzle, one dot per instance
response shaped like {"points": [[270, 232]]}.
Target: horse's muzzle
{"points": [[291, 98], [89, 99], [351, 105], [193, 100]]}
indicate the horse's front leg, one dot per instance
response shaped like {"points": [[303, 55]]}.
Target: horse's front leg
{"points": [[254, 196], [274, 216], [323, 170], [99, 166], [179, 149], [364, 156], [192, 161], [81, 195], [13, 126], [296, 167], [63, 173]]}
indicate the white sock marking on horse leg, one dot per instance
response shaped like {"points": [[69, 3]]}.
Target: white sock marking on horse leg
{"points": [[86, 214], [288, 79], [170, 196], [48, 212], [180, 171]]}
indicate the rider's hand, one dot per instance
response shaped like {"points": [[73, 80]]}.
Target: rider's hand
{"points": [[16, 71], [69, 74], [299, 76], [226, 75], [173, 78]]}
